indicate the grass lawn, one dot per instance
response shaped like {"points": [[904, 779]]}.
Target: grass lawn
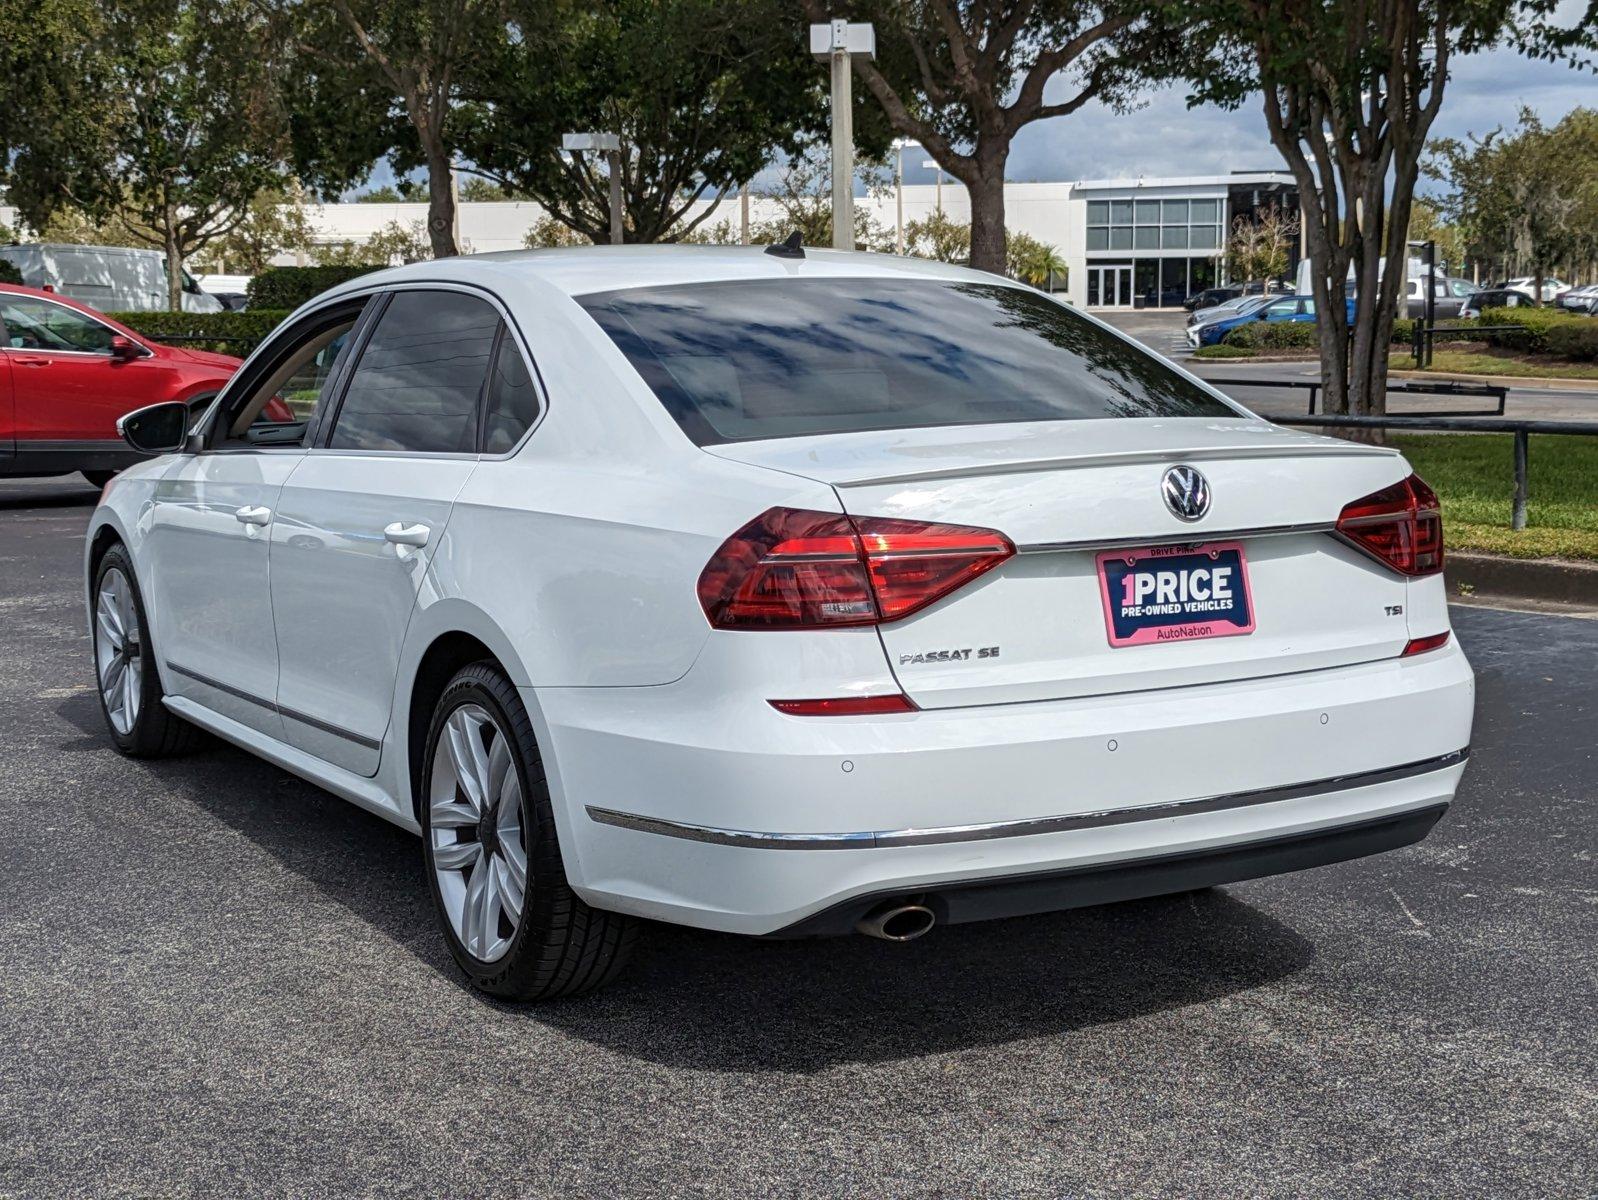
{"points": [[1479, 360], [1474, 474]]}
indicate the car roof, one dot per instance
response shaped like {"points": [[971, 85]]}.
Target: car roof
{"points": [[582, 270]]}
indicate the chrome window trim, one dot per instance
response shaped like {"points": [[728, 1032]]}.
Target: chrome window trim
{"points": [[78, 312], [877, 839], [413, 285]]}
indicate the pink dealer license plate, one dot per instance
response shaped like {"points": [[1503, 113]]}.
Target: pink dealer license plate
{"points": [[1175, 593]]}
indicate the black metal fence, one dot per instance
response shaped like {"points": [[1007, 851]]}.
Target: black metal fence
{"points": [[1521, 429], [1492, 391], [1425, 336]]}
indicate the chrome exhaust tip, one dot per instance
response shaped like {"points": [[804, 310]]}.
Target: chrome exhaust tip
{"points": [[897, 921]]}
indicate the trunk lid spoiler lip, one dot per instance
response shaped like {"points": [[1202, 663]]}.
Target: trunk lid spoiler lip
{"points": [[861, 460]]}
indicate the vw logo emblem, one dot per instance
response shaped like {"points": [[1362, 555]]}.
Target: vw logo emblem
{"points": [[1186, 492]]}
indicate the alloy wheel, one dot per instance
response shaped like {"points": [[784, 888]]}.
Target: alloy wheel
{"points": [[475, 826], [117, 644]]}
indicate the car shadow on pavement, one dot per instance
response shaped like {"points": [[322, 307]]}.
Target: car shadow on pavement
{"points": [[719, 1002]]}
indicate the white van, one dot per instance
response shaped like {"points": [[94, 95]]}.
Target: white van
{"points": [[109, 278]]}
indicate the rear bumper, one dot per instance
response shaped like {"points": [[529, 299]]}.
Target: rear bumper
{"points": [[1026, 895], [692, 804]]}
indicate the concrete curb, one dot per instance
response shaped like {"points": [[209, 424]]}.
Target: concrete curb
{"points": [[1529, 578]]}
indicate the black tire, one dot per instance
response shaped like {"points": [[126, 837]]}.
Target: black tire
{"points": [[155, 732], [562, 946], [99, 478]]}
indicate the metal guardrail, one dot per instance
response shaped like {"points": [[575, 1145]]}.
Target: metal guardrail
{"points": [[1423, 339], [1494, 391], [1522, 431]]}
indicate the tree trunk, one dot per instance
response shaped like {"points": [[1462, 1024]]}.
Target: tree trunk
{"points": [[440, 202], [987, 221], [174, 266]]}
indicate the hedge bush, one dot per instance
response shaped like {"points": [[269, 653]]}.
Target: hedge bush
{"points": [[9, 272], [227, 332], [1576, 339], [1275, 335], [1538, 322], [1222, 350], [290, 287]]}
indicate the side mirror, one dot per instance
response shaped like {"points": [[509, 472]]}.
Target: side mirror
{"points": [[125, 349], [157, 428]]}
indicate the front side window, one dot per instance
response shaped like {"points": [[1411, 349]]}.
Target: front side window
{"points": [[41, 325], [292, 380], [417, 384], [786, 358]]}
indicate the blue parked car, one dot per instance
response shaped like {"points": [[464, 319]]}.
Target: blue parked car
{"points": [[1283, 308]]}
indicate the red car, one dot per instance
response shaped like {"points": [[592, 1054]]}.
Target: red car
{"points": [[68, 372]]}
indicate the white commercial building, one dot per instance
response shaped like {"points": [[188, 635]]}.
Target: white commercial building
{"points": [[1135, 242]]}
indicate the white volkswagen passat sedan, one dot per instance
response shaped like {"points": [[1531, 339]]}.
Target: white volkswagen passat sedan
{"points": [[780, 593]]}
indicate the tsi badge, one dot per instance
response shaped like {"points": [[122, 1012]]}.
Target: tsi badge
{"points": [[1186, 492]]}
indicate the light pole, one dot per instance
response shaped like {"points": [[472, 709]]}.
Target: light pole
{"points": [[610, 144], [837, 42], [935, 165], [898, 193]]}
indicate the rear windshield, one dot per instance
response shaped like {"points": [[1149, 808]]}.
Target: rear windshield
{"points": [[785, 358]]}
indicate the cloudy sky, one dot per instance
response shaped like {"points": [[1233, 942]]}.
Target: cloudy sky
{"points": [[1165, 137]]}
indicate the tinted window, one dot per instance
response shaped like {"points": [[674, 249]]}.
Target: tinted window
{"points": [[40, 325], [418, 380], [785, 358], [512, 399]]}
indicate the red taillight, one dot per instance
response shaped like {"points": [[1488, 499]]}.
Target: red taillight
{"points": [[1401, 526], [1420, 645], [794, 569], [845, 706]]}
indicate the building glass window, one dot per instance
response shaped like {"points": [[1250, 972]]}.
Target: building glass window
{"points": [[1120, 212], [1175, 212], [1146, 237], [1174, 237], [1098, 239], [1148, 212], [1098, 212], [1120, 238], [1204, 212], [1205, 237]]}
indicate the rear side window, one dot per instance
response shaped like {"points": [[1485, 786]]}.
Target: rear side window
{"points": [[787, 358], [417, 383], [512, 401]]}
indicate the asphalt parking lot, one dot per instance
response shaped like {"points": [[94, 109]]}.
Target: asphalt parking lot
{"points": [[215, 979]]}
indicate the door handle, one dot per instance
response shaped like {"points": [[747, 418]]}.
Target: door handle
{"points": [[401, 534], [253, 516], [30, 360]]}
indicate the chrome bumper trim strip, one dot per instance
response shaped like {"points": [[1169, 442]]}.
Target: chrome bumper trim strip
{"points": [[751, 839], [1179, 537]]}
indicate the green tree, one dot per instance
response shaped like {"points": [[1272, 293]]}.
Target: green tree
{"points": [[1527, 200], [189, 128], [379, 78], [703, 93], [1351, 89], [394, 241], [275, 221], [1033, 261], [1427, 223], [964, 77], [939, 236]]}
